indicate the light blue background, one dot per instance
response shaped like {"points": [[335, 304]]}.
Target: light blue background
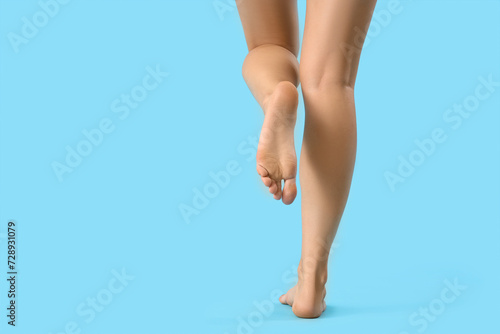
{"points": [[120, 207]]}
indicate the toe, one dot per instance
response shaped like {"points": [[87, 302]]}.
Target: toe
{"points": [[283, 299], [267, 181], [262, 171], [278, 194], [273, 188], [289, 191]]}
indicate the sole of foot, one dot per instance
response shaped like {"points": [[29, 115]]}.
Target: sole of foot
{"points": [[276, 158]]}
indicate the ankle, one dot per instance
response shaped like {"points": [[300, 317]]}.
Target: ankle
{"points": [[312, 270]]}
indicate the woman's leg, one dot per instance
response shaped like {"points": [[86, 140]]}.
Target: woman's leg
{"points": [[329, 62], [271, 71]]}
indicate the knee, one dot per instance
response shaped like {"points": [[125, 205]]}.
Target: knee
{"points": [[272, 56], [292, 49], [324, 79]]}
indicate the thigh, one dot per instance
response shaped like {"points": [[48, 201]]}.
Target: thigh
{"points": [[270, 22], [333, 37]]}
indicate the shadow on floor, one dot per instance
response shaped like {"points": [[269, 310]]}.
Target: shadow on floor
{"points": [[352, 310], [284, 312]]}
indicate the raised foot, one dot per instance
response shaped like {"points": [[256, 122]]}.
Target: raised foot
{"points": [[276, 158]]}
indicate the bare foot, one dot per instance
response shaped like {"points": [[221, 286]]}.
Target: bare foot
{"points": [[276, 158], [307, 298]]}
